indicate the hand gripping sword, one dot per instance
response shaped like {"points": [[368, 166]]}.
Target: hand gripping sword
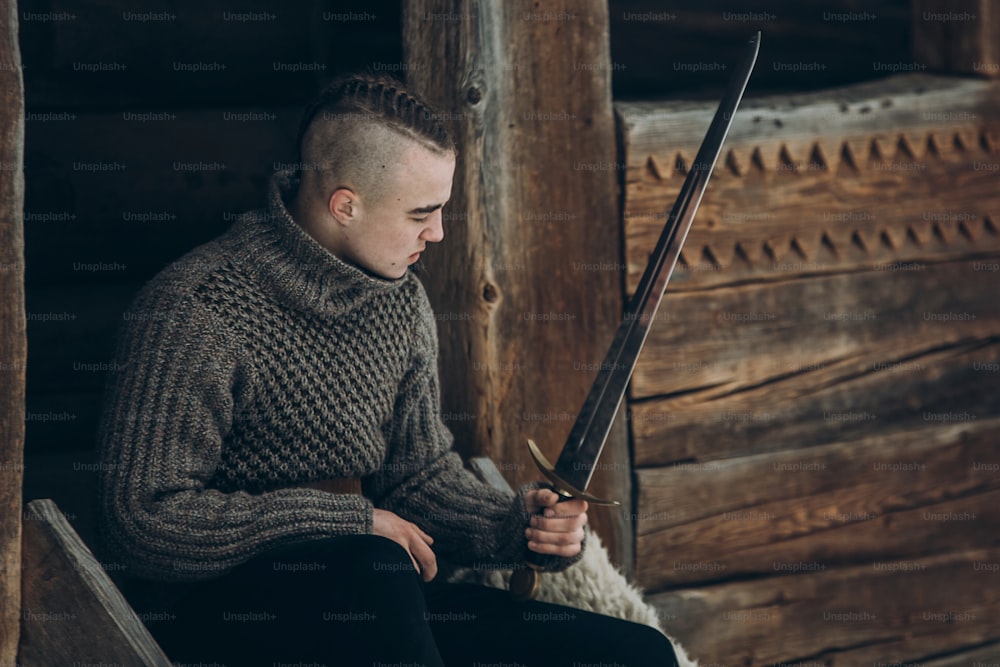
{"points": [[572, 472]]}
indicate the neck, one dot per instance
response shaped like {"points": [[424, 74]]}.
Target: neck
{"points": [[284, 256], [306, 215], [301, 213]]}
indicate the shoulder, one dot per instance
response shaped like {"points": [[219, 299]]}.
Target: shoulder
{"points": [[172, 318], [416, 291], [421, 320], [173, 292], [419, 305]]}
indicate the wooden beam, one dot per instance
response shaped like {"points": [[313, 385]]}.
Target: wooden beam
{"points": [[73, 613], [879, 613], [830, 505], [814, 403], [959, 36], [800, 339], [13, 345], [527, 283]]}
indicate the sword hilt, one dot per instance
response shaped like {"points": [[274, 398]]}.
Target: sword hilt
{"points": [[560, 485], [524, 583]]}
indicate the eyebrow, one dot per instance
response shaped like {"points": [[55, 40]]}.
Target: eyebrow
{"points": [[424, 209]]}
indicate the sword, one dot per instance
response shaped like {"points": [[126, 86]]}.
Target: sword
{"points": [[571, 474]]}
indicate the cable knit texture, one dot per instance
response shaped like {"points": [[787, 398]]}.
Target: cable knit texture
{"points": [[259, 362]]}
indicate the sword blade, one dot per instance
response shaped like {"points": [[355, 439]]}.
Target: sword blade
{"points": [[586, 440]]}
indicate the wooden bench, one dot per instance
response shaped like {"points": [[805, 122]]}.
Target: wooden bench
{"points": [[71, 611]]}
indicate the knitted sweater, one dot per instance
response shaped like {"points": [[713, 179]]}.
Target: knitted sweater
{"points": [[259, 362]]}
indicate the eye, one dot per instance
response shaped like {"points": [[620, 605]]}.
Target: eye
{"points": [[423, 219]]}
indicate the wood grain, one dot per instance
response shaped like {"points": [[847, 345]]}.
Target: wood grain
{"points": [[844, 617], [13, 353], [826, 506], [526, 311], [732, 338], [815, 414], [859, 177], [73, 613], [858, 397], [960, 36]]}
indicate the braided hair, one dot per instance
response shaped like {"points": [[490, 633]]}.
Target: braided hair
{"points": [[352, 133], [376, 99]]}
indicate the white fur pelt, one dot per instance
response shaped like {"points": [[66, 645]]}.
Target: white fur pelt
{"points": [[592, 584]]}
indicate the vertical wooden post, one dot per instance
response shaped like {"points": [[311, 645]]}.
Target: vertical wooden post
{"points": [[13, 347], [960, 36], [527, 284]]}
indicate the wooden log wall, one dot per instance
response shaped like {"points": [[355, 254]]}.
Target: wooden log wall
{"points": [[13, 350], [816, 414], [524, 320]]}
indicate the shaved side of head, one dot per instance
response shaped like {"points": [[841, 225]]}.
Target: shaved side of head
{"points": [[354, 133]]}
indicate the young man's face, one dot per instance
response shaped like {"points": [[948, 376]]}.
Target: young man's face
{"points": [[388, 235]]}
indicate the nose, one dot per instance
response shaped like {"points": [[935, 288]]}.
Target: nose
{"points": [[434, 231]]}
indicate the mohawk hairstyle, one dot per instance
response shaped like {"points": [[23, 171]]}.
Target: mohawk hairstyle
{"points": [[357, 126], [381, 100]]}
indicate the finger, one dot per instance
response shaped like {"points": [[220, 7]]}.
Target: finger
{"points": [[568, 508], [567, 524], [425, 555], [566, 551], [424, 536], [548, 497], [534, 501], [416, 565], [546, 537], [538, 499]]}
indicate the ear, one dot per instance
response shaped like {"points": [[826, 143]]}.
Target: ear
{"points": [[344, 206]]}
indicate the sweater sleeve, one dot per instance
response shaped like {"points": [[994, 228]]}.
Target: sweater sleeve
{"points": [[168, 411], [424, 481]]}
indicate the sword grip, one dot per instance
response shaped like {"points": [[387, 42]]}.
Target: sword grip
{"points": [[525, 583]]}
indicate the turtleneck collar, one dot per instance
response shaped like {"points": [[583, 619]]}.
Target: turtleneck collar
{"points": [[272, 247]]}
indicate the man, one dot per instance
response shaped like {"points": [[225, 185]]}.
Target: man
{"points": [[274, 455]]}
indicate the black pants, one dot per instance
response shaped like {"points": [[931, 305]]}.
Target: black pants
{"points": [[357, 601]]}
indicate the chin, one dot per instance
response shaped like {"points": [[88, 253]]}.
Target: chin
{"points": [[395, 273], [385, 273]]}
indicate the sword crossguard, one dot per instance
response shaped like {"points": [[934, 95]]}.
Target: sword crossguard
{"points": [[562, 487]]}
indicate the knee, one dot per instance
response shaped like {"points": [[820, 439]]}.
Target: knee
{"points": [[382, 556], [359, 555], [369, 556], [651, 647]]}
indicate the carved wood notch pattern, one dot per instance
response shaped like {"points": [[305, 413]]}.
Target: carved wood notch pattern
{"points": [[853, 179], [747, 225]]}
